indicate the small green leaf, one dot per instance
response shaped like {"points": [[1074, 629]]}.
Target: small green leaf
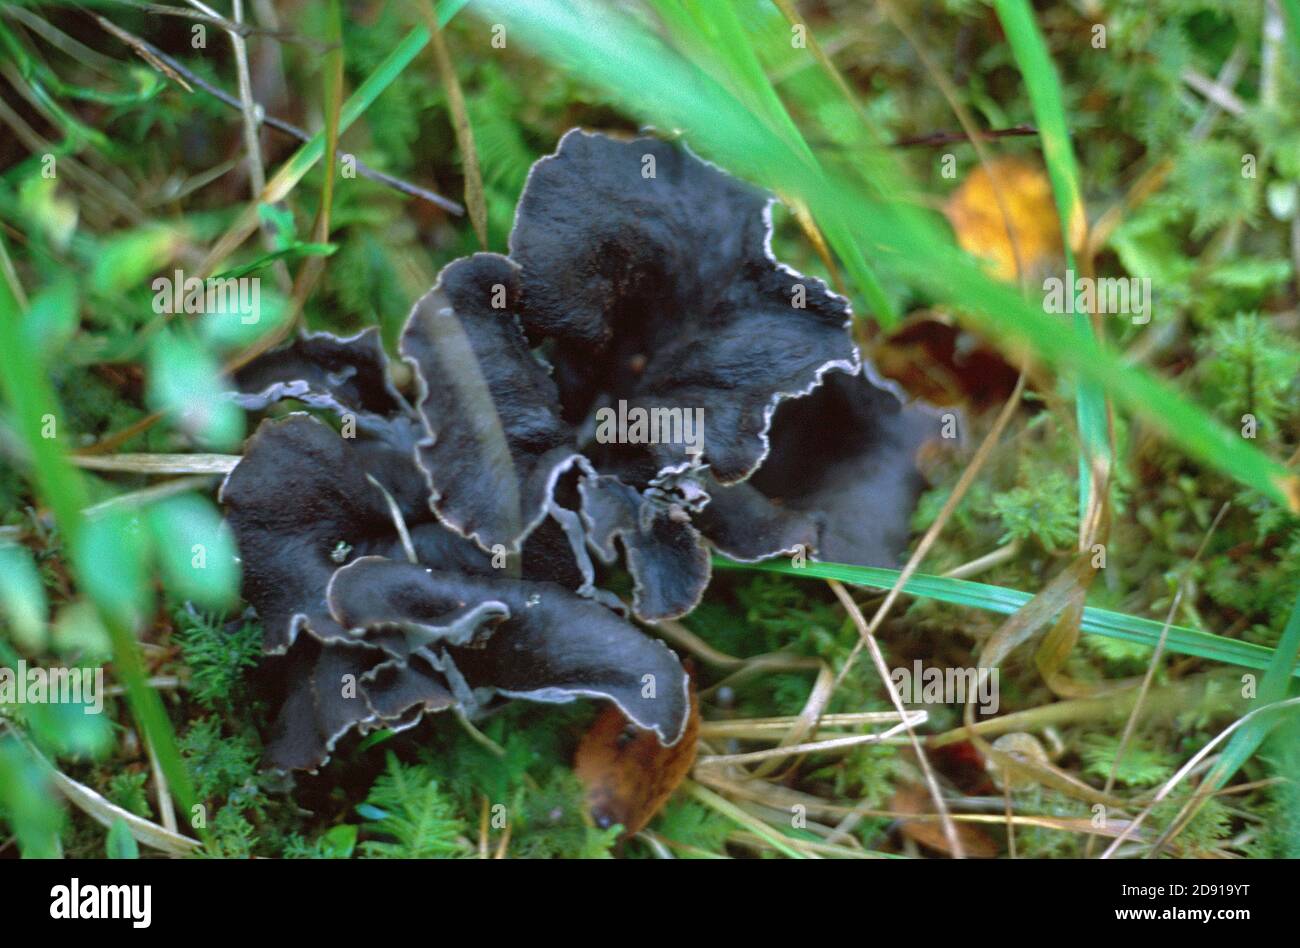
{"points": [[30, 803], [22, 598], [113, 563], [195, 551], [339, 842], [51, 319], [78, 630], [74, 728], [56, 215], [184, 382], [125, 261], [227, 331], [278, 219], [289, 251]]}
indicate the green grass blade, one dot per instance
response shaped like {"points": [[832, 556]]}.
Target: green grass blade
{"points": [[448, 9], [714, 32], [30, 398], [1274, 686], [1291, 13], [1031, 55], [999, 599]]}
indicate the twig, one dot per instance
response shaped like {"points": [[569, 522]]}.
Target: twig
{"points": [[867, 635], [150, 54], [1220, 95], [939, 139], [460, 124], [1002, 554], [211, 17], [105, 813], [256, 173], [165, 805], [149, 494], [812, 747], [174, 69], [158, 463]]}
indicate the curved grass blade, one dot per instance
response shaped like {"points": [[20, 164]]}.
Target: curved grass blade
{"points": [[1031, 55], [617, 53], [715, 31], [1273, 688], [999, 599]]}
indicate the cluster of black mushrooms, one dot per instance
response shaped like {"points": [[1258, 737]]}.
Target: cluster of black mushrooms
{"points": [[410, 555]]}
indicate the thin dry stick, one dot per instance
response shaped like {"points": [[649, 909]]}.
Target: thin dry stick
{"points": [[758, 727], [1131, 724], [1221, 96], [504, 843], [165, 807], [914, 562], [812, 747], [878, 657], [157, 682], [206, 15], [939, 139], [256, 173], [146, 52], [147, 495], [978, 565], [158, 463], [103, 811], [967, 122], [806, 721], [816, 805], [111, 442], [460, 123], [683, 637], [175, 70], [1190, 765], [252, 144], [483, 829], [931, 535], [1010, 817]]}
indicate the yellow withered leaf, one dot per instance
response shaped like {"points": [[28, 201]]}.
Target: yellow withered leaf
{"points": [[981, 228]]}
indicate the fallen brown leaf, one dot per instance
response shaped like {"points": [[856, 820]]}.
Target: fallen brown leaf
{"points": [[929, 833], [945, 364], [627, 773]]}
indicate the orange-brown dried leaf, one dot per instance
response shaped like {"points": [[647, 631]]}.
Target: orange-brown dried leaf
{"points": [[929, 833], [976, 216], [628, 774]]}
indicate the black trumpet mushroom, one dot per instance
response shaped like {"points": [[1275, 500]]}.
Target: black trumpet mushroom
{"points": [[638, 377]]}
